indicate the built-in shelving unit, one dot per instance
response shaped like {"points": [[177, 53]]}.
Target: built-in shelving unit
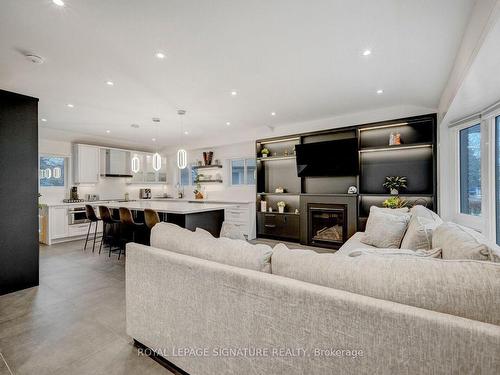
{"points": [[414, 158]]}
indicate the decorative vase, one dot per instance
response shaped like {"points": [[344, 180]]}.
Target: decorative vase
{"points": [[394, 192], [281, 209], [263, 206]]}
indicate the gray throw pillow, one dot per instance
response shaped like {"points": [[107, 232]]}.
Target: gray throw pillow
{"points": [[385, 230], [232, 231], [419, 233], [459, 242]]}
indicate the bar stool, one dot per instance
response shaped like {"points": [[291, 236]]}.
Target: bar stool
{"points": [[151, 218], [92, 217], [128, 226], [109, 225]]}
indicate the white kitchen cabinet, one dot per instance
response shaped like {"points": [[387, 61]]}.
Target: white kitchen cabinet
{"points": [[243, 217], [58, 217], [86, 164]]}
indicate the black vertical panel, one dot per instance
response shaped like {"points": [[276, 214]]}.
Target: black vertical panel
{"points": [[18, 192]]}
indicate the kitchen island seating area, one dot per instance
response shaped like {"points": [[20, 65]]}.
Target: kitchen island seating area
{"points": [[132, 221]]}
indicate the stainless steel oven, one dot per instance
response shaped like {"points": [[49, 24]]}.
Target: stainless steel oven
{"points": [[77, 215]]}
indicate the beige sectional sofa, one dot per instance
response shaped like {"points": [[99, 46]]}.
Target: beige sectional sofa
{"points": [[220, 306]]}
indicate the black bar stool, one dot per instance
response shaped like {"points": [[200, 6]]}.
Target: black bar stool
{"points": [[151, 218], [92, 217], [129, 229], [110, 229]]}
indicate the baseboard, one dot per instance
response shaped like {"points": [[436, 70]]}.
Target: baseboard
{"points": [[162, 361]]}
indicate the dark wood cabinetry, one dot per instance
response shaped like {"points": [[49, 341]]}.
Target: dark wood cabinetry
{"points": [[275, 225]]}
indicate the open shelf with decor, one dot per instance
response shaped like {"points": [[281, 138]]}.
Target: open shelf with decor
{"points": [[215, 166]]}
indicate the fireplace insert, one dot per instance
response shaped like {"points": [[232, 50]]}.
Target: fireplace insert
{"points": [[327, 225]]}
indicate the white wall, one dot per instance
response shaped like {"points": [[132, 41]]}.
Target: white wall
{"points": [[107, 188], [217, 191]]}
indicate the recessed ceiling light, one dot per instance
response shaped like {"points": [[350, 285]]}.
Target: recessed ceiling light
{"points": [[108, 131], [367, 52], [70, 105], [228, 123], [153, 139], [273, 113], [44, 120], [110, 83], [58, 2], [160, 55], [234, 93], [186, 132], [380, 91]]}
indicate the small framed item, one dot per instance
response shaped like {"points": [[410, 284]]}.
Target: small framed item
{"points": [[263, 206]]}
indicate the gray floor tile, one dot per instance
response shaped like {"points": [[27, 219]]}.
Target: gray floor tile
{"points": [[74, 322]]}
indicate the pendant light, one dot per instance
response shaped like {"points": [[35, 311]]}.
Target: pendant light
{"points": [[136, 164], [181, 153], [157, 156]]}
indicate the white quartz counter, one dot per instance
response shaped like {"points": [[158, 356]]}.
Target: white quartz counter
{"points": [[172, 207]]}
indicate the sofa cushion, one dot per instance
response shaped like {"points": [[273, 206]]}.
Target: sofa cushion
{"points": [[385, 229], [237, 253], [422, 211], [354, 243], [459, 242], [203, 232], [465, 288], [432, 253]]}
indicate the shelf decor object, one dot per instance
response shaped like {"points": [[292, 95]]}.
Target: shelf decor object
{"points": [[395, 183], [281, 206]]}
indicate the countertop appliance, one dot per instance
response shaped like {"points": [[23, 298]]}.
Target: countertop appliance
{"points": [[145, 193], [77, 215]]}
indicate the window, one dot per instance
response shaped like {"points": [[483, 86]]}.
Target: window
{"points": [[52, 171], [470, 170], [185, 176], [243, 172]]}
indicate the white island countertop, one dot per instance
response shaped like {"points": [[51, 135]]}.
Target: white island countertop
{"points": [[169, 206]]}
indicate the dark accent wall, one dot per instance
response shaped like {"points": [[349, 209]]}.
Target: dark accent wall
{"points": [[18, 192]]}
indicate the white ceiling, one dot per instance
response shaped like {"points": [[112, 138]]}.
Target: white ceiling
{"points": [[481, 86], [300, 59]]}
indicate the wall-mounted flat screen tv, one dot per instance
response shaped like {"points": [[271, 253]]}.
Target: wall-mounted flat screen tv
{"points": [[330, 158]]}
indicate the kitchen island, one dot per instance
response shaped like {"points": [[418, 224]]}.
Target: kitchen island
{"points": [[189, 215]]}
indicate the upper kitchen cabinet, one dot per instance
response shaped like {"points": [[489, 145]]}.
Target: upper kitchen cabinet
{"points": [[86, 164]]}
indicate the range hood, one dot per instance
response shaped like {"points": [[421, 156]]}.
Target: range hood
{"points": [[116, 163]]}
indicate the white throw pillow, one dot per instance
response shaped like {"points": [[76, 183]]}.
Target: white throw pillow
{"points": [[385, 230], [393, 211], [232, 231], [459, 242], [419, 233]]}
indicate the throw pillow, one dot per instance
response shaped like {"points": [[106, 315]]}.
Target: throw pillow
{"points": [[459, 242], [231, 231], [393, 211], [385, 230], [419, 233]]}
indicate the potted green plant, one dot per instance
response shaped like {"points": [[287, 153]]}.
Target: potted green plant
{"points": [[395, 184], [281, 207], [264, 152], [394, 202]]}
